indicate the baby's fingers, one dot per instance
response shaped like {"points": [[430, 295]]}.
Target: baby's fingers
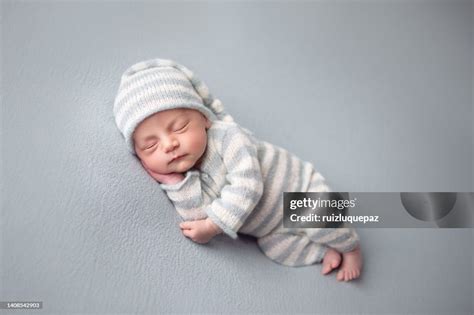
{"points": [[188, 233], [187, 225]]}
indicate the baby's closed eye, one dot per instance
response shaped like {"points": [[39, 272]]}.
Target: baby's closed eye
{"points": [[181, 128], [150, 146]]}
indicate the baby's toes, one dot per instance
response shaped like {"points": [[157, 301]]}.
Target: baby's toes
{"points": [[351, 274], [347, 276], [354, 274], [340, 275], [326, 269]]}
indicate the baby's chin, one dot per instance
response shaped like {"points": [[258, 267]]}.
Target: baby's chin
{"points": [[182, 166]]}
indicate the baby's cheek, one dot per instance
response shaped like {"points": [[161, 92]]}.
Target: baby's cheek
{"points": [[199, 143], [162, 166], [156, 163]]}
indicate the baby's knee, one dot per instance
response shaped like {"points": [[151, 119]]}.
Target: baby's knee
{"points": [[291, 249], [341, 239]]}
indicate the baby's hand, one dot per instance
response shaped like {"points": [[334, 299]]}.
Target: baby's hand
{"points": [[167, 179], [200, 231]]}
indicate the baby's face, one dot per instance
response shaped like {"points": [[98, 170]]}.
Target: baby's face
{"points": [[171, 141]]}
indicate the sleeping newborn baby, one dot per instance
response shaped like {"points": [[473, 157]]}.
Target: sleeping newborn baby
{"points": [[219, 177]]}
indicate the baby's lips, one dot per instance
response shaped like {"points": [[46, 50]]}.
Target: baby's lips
{"points": [[176, 157]]}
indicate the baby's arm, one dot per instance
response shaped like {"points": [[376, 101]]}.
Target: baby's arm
{"points": [[200, 231], [186, 195], [238, 198]]}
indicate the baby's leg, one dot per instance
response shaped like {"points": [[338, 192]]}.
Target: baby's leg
{"points": [[342, 240], [291, 249]]}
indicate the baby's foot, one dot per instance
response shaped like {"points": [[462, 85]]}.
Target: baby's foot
{"points": [[351, 265], [331, 260]]}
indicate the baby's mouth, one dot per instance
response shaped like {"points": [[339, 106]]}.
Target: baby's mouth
{"points": [[177, 157]]}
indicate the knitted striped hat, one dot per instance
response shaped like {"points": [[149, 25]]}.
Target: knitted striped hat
{"points": [[152, 86]]}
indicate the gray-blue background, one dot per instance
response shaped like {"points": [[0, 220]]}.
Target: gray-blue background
{"points": [[378, 95]]}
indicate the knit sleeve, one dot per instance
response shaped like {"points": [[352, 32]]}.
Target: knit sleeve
{"points": [[186, 195], [245, 184]]}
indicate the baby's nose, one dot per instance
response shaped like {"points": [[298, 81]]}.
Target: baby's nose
{"points": [[170, 145]]}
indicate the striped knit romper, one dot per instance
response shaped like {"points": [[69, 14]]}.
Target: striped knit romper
{"points": [[239, 185]]}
